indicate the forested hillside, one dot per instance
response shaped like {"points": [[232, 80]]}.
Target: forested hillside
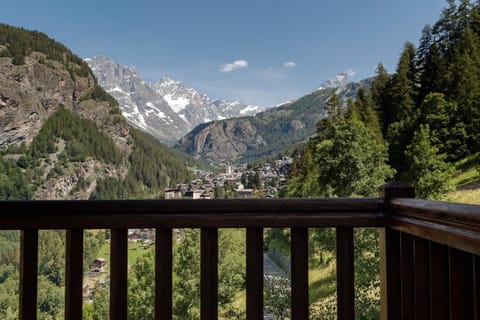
{"points": [[426, 114], [420, 125], [63, 137]]}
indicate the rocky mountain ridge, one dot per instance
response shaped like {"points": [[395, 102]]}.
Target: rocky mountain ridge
{"points": [[167, 109], [267, 133]]}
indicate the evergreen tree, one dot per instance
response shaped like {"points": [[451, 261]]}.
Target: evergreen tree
{"points": [[303, 176], [445, 29], [363, 110], [333, 110], [427, 170], [465, 86], [378, 91], [400, 112], [257, 181], [448, 133], [433, 73], [351, 162], [345, 160], [401, 88]]}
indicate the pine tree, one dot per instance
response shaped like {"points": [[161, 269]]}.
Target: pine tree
{"points": [[362, 109], [402, 88], [448, 133], [350, 161], [378, 91], [427, 170], [465, 85]]}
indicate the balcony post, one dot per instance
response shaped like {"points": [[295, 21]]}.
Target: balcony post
{"points": [[299, 273], [254, 273], [74, 274], [345, 274], [118, 274], [209, 273], [28, 274], [163, 274], [390, 254]]}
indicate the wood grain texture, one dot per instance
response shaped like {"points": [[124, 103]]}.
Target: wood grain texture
{"points": [[122, 214], [209, 273], [74, 274], [299, 273], [28, 274], [118, 274], [163, 274], [345, 274], [254, 273]]}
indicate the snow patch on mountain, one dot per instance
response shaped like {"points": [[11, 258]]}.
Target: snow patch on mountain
{"points": [[167, 109], [249, 110], [177, 104], [338, 81]]}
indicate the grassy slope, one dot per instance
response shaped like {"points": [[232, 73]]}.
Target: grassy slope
{"points": [[467, 181]]}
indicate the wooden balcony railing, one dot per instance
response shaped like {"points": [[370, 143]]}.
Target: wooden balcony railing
{"points": [[430, 265]]}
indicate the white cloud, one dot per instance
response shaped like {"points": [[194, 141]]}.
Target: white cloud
{"points": [[237, 64], [351, 72], [290, 64]]}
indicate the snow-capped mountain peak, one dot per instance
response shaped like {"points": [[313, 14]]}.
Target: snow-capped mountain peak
{"points": [[167, 109], [338, 81]]}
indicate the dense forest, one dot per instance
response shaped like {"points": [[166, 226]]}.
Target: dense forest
{"points": [[152, 168], [414, 125]]}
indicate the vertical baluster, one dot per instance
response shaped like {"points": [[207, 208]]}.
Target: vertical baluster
{"points": [[299, 267], [390, 274], [73, 274], [254, 273], [439, 287], [163, 274], [209, 274], [118, 274], [406, 274], [28, 274], [461, 285], [476, 271], [421, 278], [345, 274]]}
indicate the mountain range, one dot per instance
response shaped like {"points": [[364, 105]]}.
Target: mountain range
{"points": [[215, 129], [166, 109], [270, 132]]}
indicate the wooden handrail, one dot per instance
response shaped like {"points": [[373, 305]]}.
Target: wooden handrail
{"points": [[362, 212], [465, 216], [452, 224]]}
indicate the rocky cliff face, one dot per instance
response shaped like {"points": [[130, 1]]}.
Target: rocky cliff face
{"points": [[31, 92], [36, 87], [62, 136], [222, 140]]}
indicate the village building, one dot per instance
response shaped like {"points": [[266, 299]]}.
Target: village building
{"points": [[98, 265]]}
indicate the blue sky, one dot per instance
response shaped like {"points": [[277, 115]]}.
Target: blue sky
{"points": [[261, 52]]}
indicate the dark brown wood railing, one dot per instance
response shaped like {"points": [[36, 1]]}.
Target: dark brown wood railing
{"points": [[432, 259], [430, 250]]}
